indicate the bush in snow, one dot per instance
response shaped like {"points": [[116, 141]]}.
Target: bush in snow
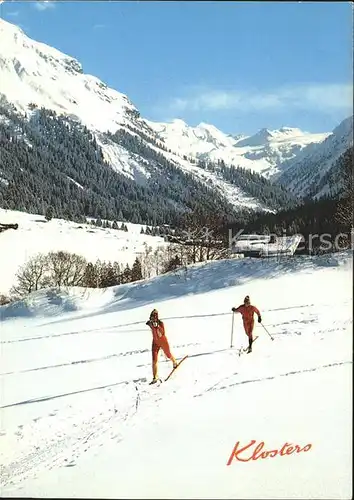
{"points": [[173, 264], [31, 277], [4, 300]]}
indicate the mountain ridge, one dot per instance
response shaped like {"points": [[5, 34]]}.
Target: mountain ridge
{"points": [[304, 175], [35, 76]]}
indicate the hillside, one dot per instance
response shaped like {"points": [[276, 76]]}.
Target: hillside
{"points": [[36, 235], [79, 182], [313, 172], [41, 83], [264, 152], [78, 418]]}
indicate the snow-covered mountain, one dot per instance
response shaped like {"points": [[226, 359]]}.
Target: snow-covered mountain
{"points": [[34, 75], [33, 72], [263, 152], [307, 173]]}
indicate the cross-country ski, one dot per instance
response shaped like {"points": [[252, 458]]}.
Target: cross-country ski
{"points": [[175, 368]]}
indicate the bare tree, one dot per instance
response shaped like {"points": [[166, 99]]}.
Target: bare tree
{"points": [[155, 262], [31, 276], [66, 269], [146, 261], [204, 237]]}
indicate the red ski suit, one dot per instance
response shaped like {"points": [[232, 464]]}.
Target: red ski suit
{"points": [[248, 317], [159, 340]]}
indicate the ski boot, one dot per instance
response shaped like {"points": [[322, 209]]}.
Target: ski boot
{"points": [[250, 346]]}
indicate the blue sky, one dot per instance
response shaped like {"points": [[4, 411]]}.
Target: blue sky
{"points": [[240, 66]]}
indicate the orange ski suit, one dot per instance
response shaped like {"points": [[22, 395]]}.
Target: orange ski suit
{"points": [[159, 341], [248, 317]]}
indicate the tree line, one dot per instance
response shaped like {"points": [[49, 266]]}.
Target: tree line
{"points": [[272, 195], [51, 161], [53, 165], [327, 215], [65, 269]]}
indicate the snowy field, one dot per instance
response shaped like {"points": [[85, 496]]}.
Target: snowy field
{"points": [[78, 418], [36, 235]]}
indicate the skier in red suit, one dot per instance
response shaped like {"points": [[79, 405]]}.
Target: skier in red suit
{"points": [[159, 341], [248, 311]]}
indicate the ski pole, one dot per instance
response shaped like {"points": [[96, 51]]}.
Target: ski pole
{"points": [[267, 332], [232, 329]]}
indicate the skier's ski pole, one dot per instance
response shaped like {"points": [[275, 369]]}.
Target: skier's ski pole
{"points": [[267, 332], [232, 329]]}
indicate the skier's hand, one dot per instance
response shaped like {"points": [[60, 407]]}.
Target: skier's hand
{"points": [[233, 309], [259, 319], [148, 323]]}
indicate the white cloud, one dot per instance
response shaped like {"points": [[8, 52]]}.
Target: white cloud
{"points": [[44, 5], [313, 96], [99, 26]]}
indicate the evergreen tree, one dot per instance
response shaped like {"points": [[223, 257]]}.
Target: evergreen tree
{"points": [[91, 278], [136, 271], [126, 275], [108, 276], [49, 214], [173, 264], [117, 271]]}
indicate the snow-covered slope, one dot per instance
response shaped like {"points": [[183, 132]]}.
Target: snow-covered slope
{"points": [[263, 152], [303, 175], [192, 141], [79, 420], [36, 235], [33, 74]]}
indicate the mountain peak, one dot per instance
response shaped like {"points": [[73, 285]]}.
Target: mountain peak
{"points": [[207, 126], [261, 138], [345, 128], [264, 136], [178, 122], [291, 131], [35, 73], [7, 28], [212, 135]]}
